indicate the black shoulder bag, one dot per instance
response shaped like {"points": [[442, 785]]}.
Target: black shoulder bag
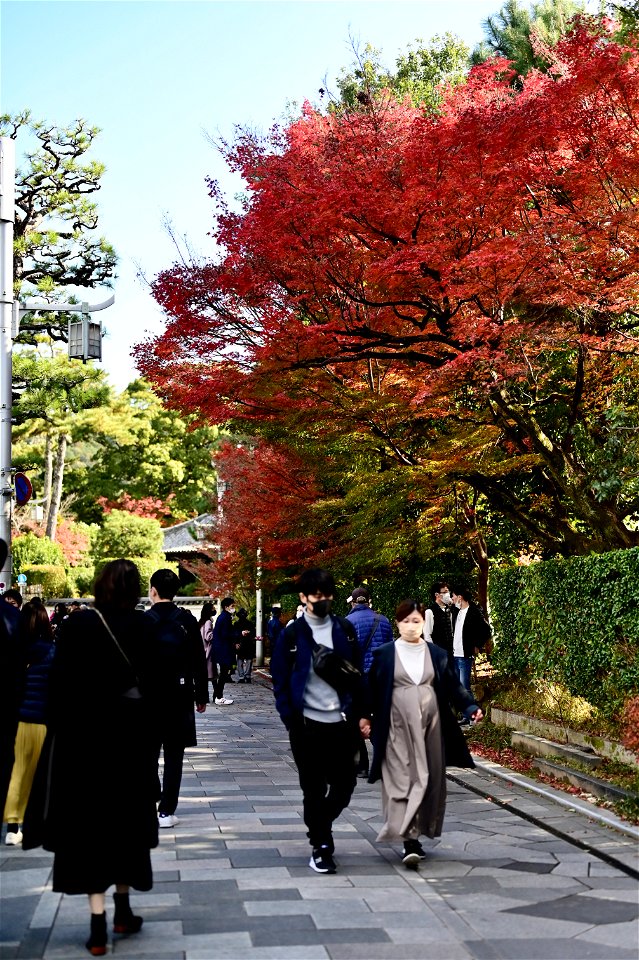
{"points": [[335, 670]]}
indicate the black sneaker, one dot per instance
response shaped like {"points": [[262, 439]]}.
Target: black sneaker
{"points": [[412, 853], [322, 861]]}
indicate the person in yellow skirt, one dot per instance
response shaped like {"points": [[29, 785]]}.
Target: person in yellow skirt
{"points": [[36, 638]]}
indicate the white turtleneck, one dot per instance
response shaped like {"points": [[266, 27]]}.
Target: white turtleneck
{"points": [[412, 658]]}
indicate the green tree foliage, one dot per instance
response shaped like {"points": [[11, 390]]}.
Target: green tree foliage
{"points": [[56, 245], [419, 74], [626, 13], [514, 32], [56, 400], [139, 450]]}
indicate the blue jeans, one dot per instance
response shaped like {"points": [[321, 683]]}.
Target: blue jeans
{"points": [[464, 667]]}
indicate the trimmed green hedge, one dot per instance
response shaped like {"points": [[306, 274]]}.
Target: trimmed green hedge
{"points": [[52, 577], [572, 621]]}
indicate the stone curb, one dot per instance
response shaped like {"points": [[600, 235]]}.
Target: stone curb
{"points": [[625, 856]]}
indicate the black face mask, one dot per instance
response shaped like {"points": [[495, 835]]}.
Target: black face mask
{"points": [[321, 608]]}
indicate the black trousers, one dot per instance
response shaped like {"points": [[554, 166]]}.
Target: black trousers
{"points": [[362, 758], [324, 754], [223, 671], [169, 786]]}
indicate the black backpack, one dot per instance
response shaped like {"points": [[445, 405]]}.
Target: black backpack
{"points": [[169, 648]]}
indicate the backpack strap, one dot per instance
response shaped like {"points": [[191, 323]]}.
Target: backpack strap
{"points": [[369, 639], [174, 617], [291, 638]]}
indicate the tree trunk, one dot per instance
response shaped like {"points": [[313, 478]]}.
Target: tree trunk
{"points": [[48, 475], [478, 547], [56, 490]]}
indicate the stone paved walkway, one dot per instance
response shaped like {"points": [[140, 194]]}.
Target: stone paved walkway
{"points": [[232, 880]]}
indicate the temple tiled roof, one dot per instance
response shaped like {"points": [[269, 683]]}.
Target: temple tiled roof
{"points": [[191, 536]]}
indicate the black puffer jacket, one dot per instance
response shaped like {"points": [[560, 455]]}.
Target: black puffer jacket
{"points": [[35, 699]]}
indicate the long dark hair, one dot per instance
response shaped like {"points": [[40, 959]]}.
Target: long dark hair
{"points": [[208, 609], [35, 623], [118, 586]]}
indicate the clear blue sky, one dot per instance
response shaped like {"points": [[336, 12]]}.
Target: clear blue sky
{"points": [[156, 74]]}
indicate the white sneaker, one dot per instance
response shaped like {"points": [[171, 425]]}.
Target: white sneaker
{"points": [[167, 819], [13, 839], [223, 701]]}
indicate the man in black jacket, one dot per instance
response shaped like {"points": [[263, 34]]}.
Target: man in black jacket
{"points": [[438, 626], [470, 632], [323, 740], [179, 679], [223, 650]]}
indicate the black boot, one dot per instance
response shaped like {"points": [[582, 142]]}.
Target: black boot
{"points": [[96, 944], [124, 921]]}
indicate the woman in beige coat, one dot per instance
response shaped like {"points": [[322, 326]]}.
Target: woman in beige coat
{"points": [[414, 732]]}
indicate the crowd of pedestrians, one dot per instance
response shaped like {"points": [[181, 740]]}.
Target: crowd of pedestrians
{"points": [[95, 696]]}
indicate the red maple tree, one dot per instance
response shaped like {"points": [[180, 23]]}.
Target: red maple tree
{"points": [[471, 274], [262, 517]]}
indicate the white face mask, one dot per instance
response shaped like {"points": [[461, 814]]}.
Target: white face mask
{"points": [[458, 604], [445, 598], [410, 631]]}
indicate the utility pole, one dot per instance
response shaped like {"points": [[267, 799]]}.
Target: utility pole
{"points": [[84, 338], [259, 646], [7, 218]]}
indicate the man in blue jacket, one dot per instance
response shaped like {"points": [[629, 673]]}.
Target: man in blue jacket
{"points": [[322, 722], [373, 629]]}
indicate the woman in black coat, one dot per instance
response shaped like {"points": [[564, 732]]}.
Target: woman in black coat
{"points": [[414, 733], [100, 817], [244, 646]]}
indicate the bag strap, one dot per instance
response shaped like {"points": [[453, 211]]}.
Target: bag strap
{"points": [[369, 639], [116, 642]]}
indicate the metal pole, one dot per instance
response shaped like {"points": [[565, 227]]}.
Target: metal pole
{"points": [[7, 217], [259, 646]]}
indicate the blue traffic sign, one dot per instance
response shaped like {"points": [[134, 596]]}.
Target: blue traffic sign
{"points": [[24, 490], [22, 578]]}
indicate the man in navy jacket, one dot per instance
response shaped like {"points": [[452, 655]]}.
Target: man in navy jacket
{"points": [[322, 723], [223, 650], [373, 630]]}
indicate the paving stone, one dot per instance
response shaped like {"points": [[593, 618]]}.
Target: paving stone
{"points": [[564, 949], [232, 878], [581, 909], [298, 952], [390, 951], [45, 912], [617, 934], [33, 943], [287, 936]]}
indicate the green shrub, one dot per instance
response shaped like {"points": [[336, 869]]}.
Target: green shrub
{"points": [[145, 565], [574, 622], [80, 581], [52, 578], [127, 535], [27, 548]]}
